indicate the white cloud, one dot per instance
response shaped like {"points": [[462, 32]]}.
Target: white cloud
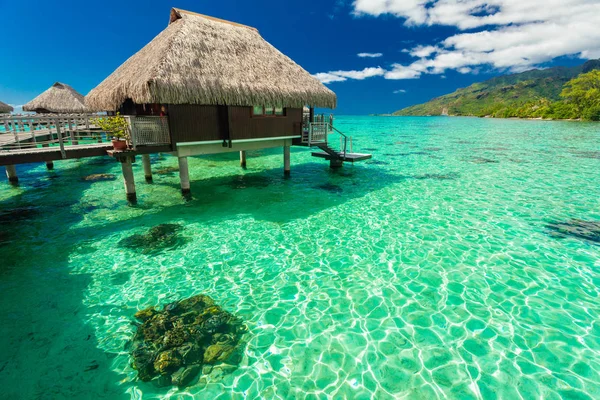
{"points": [[326, 77], [413, 10], [340, 76], [399, 91], [422, 51], [399, 71], [369, 55], [513, 35]]}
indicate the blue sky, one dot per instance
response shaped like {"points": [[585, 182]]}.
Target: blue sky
{"points": [[423, 48]]}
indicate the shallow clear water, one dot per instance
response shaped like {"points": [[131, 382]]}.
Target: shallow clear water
{"points": [[428, 272]]}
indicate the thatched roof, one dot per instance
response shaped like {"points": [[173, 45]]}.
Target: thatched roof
{"points": [[203, 60], [5, 108], [60, 98]]}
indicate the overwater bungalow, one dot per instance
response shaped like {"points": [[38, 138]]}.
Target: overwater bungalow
{"points": [[59, 98], [208, 86], [5, 108]]}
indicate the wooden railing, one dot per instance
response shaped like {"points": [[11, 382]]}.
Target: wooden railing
{"points": [[26, 132], [317, 133], [18, 132], [149, 131]]}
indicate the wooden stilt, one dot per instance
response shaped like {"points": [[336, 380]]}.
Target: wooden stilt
{"points": [[243, 159], [11, 174], [49, 164], [147, 167], [126, 166], [286, 160], [184, 175], [336, 163]]}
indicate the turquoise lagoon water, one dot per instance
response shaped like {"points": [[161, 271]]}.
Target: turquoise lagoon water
{"points": [[428, 272]]}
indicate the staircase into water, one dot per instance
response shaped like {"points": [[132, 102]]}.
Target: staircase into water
{"points": [[316, 134]]}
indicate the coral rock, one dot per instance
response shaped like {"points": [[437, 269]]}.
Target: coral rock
{"points": [[172, 345]]}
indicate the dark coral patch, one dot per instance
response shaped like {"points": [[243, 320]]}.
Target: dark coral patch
{"points": [[166, 171], [160, 237], [171, 346], [481, 160], [376, 162], [99, 178], [331, 188], [587, 154], [577, 228], [18, 214], [440, 177], [250, 181]]}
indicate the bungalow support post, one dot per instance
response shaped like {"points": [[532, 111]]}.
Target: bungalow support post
{"points": [[126, 166], [286, 160], [147, 167], [11, 174], [184, 176], [49, 164], [336, 163], [243, 158]]}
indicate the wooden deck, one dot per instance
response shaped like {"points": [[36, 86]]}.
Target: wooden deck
{"points": [[32, 138], [54, 153], [349, 157]]}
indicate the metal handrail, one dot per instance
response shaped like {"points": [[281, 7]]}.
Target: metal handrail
{"points": [[345, 139], [328, 127]]}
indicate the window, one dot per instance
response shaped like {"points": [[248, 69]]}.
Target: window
{"points": [[268, 111]]}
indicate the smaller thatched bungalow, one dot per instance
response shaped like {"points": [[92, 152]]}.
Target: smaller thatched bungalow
{"points": [[5, 108], [59, 98]]}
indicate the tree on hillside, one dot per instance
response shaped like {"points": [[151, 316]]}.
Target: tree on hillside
{"points": [[583, 93]]}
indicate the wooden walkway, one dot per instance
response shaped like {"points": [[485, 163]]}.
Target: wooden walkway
{"points": [[9, 138], [46, 138], [54, 153]]}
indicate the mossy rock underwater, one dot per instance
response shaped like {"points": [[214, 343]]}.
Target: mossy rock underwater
{"points": [[171, 346], [156, 238]]}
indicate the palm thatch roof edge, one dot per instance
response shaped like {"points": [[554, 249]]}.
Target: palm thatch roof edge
{"points": [[59, 98], [204, 60]]}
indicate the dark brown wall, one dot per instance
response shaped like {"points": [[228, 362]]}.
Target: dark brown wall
{"points": [[195, 123], [246, 126]]}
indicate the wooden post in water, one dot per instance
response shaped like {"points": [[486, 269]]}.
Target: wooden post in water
{"points": [[74, 141], [147, 167], [336, 163], [60, 138], [184, 176], [243, 158], [32, 131], [11, 174], [15, 131], [286, 160], [127, 168], [49, 164]]}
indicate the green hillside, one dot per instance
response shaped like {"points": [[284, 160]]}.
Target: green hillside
{"points": [[527, 94]]}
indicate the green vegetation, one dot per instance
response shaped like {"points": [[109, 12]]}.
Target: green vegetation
{"points": [[117, 126], [556, 93]]}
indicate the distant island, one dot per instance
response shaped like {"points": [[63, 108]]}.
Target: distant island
{"points": [[553, 93]]}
